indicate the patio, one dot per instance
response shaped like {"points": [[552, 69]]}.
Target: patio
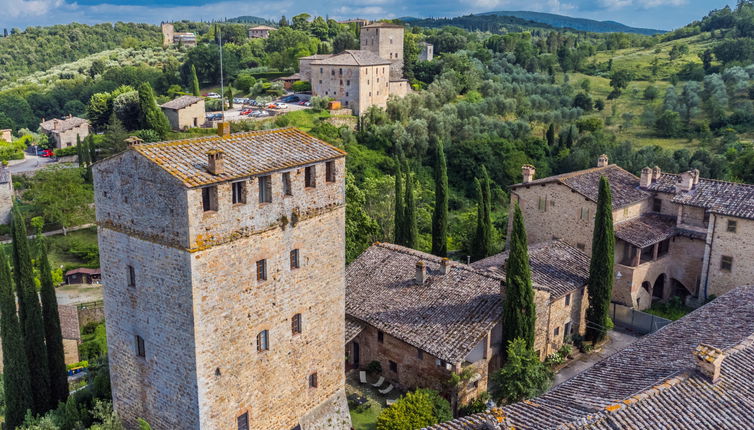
{"points": [[365, 401]]}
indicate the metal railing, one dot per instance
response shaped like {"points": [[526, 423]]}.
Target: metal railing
{"points": [[638, 321]]}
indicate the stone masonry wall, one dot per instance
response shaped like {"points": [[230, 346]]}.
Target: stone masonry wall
{"points": [[560, 314], [739, 246], [7, 196], [189, 117], [69, 137], [387, 43]]}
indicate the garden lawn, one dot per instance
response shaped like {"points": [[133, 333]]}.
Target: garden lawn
{"points": [[59, 247], [672, 310], [367, 419]]}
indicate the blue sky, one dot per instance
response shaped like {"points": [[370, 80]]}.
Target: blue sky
{"points": [[661, 14]]}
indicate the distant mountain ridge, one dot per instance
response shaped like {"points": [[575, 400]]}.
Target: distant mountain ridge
{"points": [[583, 24]]}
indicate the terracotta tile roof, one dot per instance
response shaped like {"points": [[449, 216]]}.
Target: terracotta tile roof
{"points": [[623, 184], [382, 25], [293, 77], [317, 57], [69, 322], [352, 58], [556, 267], [181, 102], [646, 230], [472, 422], [653, 384], [353, 328], [446, 316], [263, 27], [83, 270], [246, 154], [60, 125], [726, 198]]}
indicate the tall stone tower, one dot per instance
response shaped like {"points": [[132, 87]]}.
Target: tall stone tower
{"points": [[223, 263], [385, 40], [168, 33]]}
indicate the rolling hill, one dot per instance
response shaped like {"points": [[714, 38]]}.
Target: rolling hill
{"points": [[562, 21]]}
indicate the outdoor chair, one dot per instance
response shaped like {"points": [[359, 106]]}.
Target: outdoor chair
{"points": [[390, 401], [379, 382], [387, 389], [363, 377]]}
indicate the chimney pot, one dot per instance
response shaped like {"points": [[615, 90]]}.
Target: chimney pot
{"points": [[215, 162], [445, 266], [528, 171], [223, 129], [656, 173], [646, 177], [709, 361], [696, 176], [602, 161], [421, 272], [685, 182]]}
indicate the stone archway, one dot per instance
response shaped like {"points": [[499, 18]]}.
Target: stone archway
{"points": [[678, 289], [647, 287], [658, 289]]}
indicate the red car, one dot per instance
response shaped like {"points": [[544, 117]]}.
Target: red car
{"points": [[46, 153], [246, 111]]}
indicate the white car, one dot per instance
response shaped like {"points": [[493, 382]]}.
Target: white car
{"points": [[213, 95], [281, 105]]}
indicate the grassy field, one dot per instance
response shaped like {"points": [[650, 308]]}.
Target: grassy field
{"points": [[60, 247], [366, 419]]}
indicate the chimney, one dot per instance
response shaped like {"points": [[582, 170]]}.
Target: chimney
{"points": [[55, 124], [215, 162], [685, 182], [528, 171], [646, 177], [421, 272], [656, 173], [709, 360], [223, 129], [445, 266], [696, 176], [602, 161]]}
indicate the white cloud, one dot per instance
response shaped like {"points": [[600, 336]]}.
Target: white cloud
{"points": [[19, 8], [645, 4]]}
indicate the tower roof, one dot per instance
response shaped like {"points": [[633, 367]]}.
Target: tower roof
{"points": [[382, 25], [353, 58]]}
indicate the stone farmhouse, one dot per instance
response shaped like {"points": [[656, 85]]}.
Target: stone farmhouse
{"points": [[65, 132], [185, 112], [7, 194], [6, 135], [692, 374], [261, 31], [676, 234], [360, 78], [224, 272], [424, 318], [170, 37]]}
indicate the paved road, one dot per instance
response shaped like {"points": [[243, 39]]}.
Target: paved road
{"points": [[618, 340], [29, 164]]}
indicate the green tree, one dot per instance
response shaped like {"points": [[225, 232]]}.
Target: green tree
{"points": [[361, 229], [519, 312], [409, 218], [114, 141], [153, 118], [195, 90], [399, 207], [53, 336], [30, 315], [483, 246], [47, 187], [440, 214], [415, 410], [16, 378], [523, 376], [600, 286]]}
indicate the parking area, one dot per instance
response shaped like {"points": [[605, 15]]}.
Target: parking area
{"points": [[246, 108]]}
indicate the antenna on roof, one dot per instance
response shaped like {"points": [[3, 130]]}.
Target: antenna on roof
{"points": [[222, 86]]}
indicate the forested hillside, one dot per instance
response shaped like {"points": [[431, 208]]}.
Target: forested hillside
{"points": [[489, 23], [582, 24], [40, 48]]}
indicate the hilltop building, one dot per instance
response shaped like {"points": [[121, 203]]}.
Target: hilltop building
{"points": [[65, 132], [170, 37], [692, 374], [424, 318], [185, 112], [358, 21], [427, 51], [224, 271], [261, 31], [676, 234]]}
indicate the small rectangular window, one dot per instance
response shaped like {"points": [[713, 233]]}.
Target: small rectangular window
{"points": [[263, 340], [330, 171], [568, 329], [265, 189], [393, 366], [243, 421], [131, 276], [419, 354], [310, 176], [140, 348], [584, 213], [657, 205], [287, 190], [568, 300], [557, 331], [542, 204], [313, 380], [262, 270], [581, 246], [348, 82], [726, 263], [294, 259], [296, 324], [380, 336], [239, 192], [732, 226], [209, 199]]}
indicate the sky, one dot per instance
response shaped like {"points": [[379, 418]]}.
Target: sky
{"points": [[659, 14]]}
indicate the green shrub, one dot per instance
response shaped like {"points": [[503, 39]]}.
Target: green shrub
{"points": [[554, 359], [78, 364], [301, 86], [64, 152], [475, 406], [565, 350], [374, 367], [523, 375], [417, 409]]}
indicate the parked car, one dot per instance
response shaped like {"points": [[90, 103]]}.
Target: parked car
{"points": [[215, 117], [290, 99], [213, 95], [247, 111], [46, 153], [307, 104], [278, 106], [238, 100]]}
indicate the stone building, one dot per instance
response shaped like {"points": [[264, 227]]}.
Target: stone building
{"points": [[185, 112], [261, 31], [386, 41], [676, 235], [692, 374], [7, 194], [427, 51], [223, 264], [170, 37], [65, 132], [6, 135], [424, 318]]}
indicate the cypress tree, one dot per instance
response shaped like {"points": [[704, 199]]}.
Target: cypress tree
{"points": [[79, 151], [91, 149], [399, 211], [16, 381], [601, 266], [410, 211], [154, 118], [440, 214], [194, 82], [551, 137], [53, 336], [519, 312], [30, 316], [477, 250], [488, 229]]}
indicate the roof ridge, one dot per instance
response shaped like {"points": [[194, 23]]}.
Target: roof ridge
{"points": [[427, 256], [721, 181]]}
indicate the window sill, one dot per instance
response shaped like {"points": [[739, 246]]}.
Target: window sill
{"points": [[235, 205]]}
